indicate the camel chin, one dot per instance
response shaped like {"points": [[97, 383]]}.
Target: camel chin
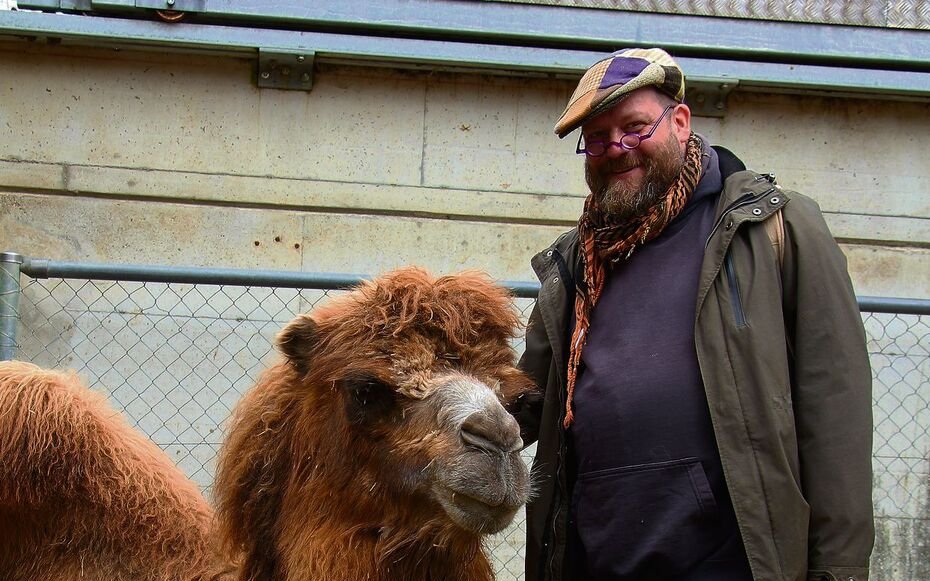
{"points": [[473, 514], [483, 482]]}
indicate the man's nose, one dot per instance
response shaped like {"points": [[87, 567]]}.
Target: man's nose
{"points": [[614, 149]]}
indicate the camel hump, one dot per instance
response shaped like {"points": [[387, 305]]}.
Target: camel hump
{"points": [[76, 476]]}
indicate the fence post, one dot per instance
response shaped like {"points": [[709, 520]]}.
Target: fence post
{"points": [[10, 264]]}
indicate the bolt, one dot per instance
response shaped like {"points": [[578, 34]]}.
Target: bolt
{"points": [[301, 58], [170, 2], [719, 105], [265, 74], [305, 77], [724, 87]]}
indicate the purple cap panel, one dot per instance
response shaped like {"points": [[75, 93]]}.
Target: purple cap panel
{"points": [[622, 70]]}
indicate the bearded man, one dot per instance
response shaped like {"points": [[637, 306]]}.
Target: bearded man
{"points": [[704, 411]]}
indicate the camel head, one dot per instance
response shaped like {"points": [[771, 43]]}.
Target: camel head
{"points": [[384, 426], [416, 372]]}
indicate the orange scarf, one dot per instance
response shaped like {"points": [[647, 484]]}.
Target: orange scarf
{"points": [[603, 241]]}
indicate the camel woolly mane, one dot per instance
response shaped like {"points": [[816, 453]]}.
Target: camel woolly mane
{"points": [[84, 496], [463, 308], [460, 312]]}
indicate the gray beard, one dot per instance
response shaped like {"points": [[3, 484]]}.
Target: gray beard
{"points": [[623, 201]]}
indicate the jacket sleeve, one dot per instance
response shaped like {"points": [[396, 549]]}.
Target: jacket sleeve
{"points": [[832, 396], [537, 362]]}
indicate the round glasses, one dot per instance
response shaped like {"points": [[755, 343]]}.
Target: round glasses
{"points": [[627, 141]]}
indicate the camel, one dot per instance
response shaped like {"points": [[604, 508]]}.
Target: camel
{"points": [[84, 496], [379, 448]]}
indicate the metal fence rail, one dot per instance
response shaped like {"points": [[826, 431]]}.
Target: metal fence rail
{"points": [[176, 347]]}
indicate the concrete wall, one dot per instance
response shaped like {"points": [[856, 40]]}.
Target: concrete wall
{"points": [[153, 158], [146, 158]]}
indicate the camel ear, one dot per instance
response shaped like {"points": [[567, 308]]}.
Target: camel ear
{"points": [[297, 341]]}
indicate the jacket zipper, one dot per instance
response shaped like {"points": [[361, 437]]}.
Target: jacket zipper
{"points": [[549, 542], [735, 299], [732, 283], [557, 501]]}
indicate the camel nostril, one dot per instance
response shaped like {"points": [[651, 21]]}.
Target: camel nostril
{"points": [[492, 432], [478, 441]]}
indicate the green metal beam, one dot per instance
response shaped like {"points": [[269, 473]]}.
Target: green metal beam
{"points": [[564, 27], [435, 54]]}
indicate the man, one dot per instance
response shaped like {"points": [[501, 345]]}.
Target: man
{"points": [[705, 408]]}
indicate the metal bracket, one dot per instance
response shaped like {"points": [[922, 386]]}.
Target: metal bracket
{"points": [[280, 70], [708, 98], [188, 6]]}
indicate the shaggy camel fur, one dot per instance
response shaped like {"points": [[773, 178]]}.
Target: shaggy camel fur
{"points": [[83, 496], [379, 449]]}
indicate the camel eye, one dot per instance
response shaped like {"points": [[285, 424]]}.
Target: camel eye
{"points": [[367, 398]]}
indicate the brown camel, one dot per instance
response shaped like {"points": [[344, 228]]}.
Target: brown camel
{"points": [[84, 496], [380, 449]]}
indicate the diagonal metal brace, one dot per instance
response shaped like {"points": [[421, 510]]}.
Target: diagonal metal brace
{"points": [[281, 70]]}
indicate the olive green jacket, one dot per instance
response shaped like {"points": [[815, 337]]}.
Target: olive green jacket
{"points": [[783, 359]]}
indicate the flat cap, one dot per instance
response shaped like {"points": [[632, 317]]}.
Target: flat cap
{"points": [[608, 81]]}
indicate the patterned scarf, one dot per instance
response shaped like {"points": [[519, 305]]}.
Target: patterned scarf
{"points": [[603, 240]]}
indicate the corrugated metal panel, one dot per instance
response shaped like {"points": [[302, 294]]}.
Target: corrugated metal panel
{"points": [[907, 14], [887, 13]]}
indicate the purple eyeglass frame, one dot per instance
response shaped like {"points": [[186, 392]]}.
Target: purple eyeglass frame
{"points": [[635, 138]]}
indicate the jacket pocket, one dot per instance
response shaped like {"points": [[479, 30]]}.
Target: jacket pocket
{"points": [[644, 521], [735, 299]]}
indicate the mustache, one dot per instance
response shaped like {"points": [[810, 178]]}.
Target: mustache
{"points": [[627, 162]]}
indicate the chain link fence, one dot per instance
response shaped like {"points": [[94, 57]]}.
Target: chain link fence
{"points": [[176, 356]]}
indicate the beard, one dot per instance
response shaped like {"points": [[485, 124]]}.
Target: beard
{"points": [[622, 199]]}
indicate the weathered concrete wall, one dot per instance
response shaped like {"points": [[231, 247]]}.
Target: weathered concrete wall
{"points": [[152, 158], [170, 159]]}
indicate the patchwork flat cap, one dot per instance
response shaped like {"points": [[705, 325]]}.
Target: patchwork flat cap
{"points": [[608, 81]]}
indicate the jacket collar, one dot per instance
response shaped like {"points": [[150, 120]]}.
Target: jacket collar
{"points": [[741, 184], [561, 259]]}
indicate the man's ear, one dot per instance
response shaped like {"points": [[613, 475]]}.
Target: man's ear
{"points": [[297, 340], [681, 120]]}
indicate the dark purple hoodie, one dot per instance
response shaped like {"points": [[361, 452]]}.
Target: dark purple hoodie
{"points": [[649, 500]]}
